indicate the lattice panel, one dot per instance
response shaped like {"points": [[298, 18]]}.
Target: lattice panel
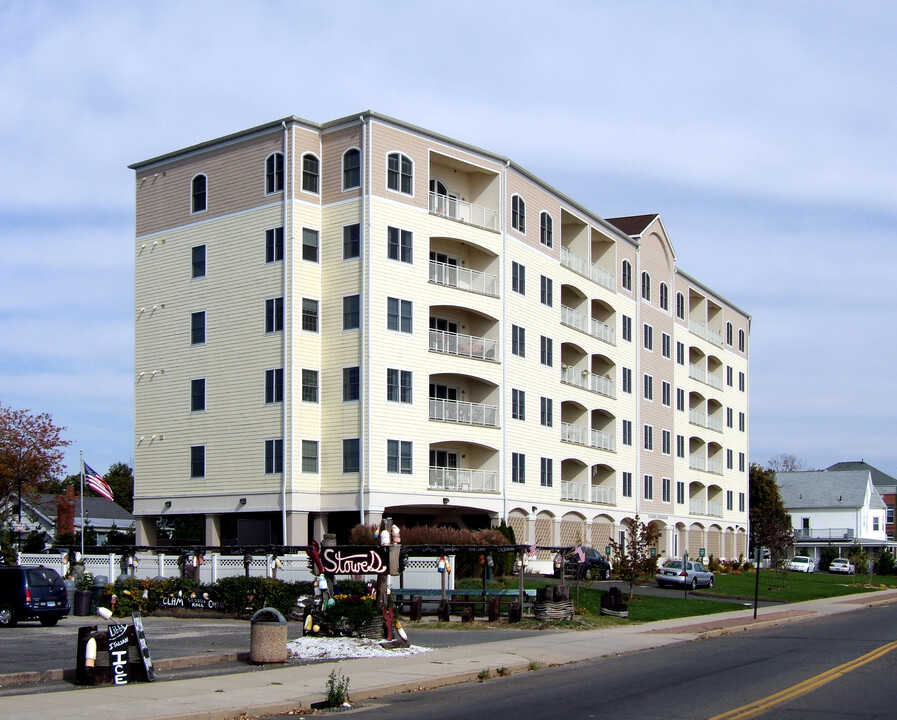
{"points": [[713, 543], [602, 534], [695, 537], [741, 543], [573, 532], [518, 522], [543, 536]]}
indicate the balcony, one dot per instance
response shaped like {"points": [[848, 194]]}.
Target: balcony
{"points": [[579, 321], [696, 417], [604, 495], [714, 466], [477, 348], [581, 266], [580, 492], [715, 509], [842, 533], [574, 434], [587, 381], [463, 480], [698, 373], [603, 441], [701, 330], [464, 212], [697, 507], [465, 413], [463, 279], [697, 462]]}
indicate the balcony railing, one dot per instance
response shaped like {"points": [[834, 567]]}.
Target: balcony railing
{"points": [[581, 266], [697, 462], [574, 434], [463, 278], [466, 413], [587, 381], [603, 331], [715, 337], [701, 330], [715, 509], [715, 423], [841, 533], [579, 321], [603, 440], [581, 492], [463, 480], [696, 417], [478, 348], [462, 211], [696, 372], [604, 495], [714, 466], [697, 507]]}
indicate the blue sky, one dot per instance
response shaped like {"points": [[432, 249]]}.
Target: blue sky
{"points": [[765, 135]]}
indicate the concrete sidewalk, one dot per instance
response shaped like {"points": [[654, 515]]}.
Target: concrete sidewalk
{"points": [[282, 689]]}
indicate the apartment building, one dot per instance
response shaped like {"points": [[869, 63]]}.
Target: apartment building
{"points": [[342, 321]]}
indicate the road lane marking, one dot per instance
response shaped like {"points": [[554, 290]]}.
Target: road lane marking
{"points": [[760, 706]]}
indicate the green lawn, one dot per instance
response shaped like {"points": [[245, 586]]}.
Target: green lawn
{"points": [[800, 586]]}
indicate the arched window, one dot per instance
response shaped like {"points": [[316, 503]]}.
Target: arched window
{"points": [[546, 230], [198, 194], [741, 340], [274, 173], [680, 306], [646, 286], [399, 173], [664, 297], [518, 213], [728, 333], [351, 169], [310, 175], [627, 275]]}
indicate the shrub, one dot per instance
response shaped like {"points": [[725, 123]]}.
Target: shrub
{"points": [[884, 563], [355, 610], [714, 565], [859, 558], [826, 555], [337, 689], [244, 595]]}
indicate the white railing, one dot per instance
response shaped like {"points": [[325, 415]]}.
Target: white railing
{"points": [[715, 466], [696, 417], [695, 372], [604, 495], [715, 381], [697, 462], [697, 327], [587, 381], [715, 337], [715, 509], [463, 211], [574, 434], [603, 440], [602, 277], [842, 533], [581, 266], [603, 331], [574, 318], [463, 278], [478, 348], [697, 507], [463, 480], [574, 491], [466, 413], [715, 423]]}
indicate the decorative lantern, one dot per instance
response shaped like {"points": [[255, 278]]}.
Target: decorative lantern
{"points": [[441, 565]]}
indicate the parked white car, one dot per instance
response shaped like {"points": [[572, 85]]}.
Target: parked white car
{"points": [[842, 565], [801, 563]]}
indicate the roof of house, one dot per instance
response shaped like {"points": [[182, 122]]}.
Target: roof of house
{"points": [[95, 508], [826, 489], [878, 477], [633, 225]]}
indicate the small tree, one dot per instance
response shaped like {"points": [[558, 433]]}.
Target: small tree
{"points": [[632, 559], [770, 522], [884, 563], [826, 555], [858, 557]]}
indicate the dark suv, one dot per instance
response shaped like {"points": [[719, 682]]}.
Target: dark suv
{"points": [[594, 567], [31, 593]]}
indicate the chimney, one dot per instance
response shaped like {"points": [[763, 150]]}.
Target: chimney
{"points": [[65, 512]]}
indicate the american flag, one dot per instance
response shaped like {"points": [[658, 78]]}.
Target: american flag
{"points": [[96, 482], [580, 554]]}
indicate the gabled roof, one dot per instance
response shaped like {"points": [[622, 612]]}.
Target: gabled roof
{"points": [[95, 508], [878, 477], [827, 489], [633, 225]]}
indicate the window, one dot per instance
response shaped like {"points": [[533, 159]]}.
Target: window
{"points": [[729, 338], [680, 353], [649, 487], [648, 387], [198, 328], [680, 492], [309, 245], [518, 404], [729, 499], [351, 312], [889, 517], [665, 484], [646, 287], [729, 374], [309, 315], [627, 432], [518, 278], [198, 395], [741, 381], [665, 344], [664, 297], [680, 306], [546, 474], [680, 399], [518, 341], [309, 456], [399, 244], [627, 328], [666, 393], [546, 351], [310, 173], [741, 340], [398, 315], [274, 173], [680, 446], [626, 277], [197, 461], [351, 169], [627, 380], [546, 414], [351, 241], [518, 468], [309, 386], [350, 455], [518, 214], [398, 456], [545, 230], [399, 173], [729, 464], [546, 292], [741, 421], [273, 456], [741, 502], [398, 385], [274, 245], [274, 315], [741, 462], [648, 337], [627, 484], [666, 443], [198, 261], [274, 386], [729, 414], [351, 383], [649, 437], [198, 194]]}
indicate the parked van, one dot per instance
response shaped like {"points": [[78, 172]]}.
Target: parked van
{"points": [[801, 563], [31, 593]]}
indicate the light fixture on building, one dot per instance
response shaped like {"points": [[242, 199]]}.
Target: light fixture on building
{"points": [[535, 508], [242, 501], [167, 504], [445, 501]]}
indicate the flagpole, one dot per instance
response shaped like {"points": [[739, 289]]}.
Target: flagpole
{"points": [[81, 457]]}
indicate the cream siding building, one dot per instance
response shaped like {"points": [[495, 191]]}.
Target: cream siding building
{"points": [[362, 318]]}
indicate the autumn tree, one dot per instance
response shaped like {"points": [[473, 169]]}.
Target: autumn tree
{"points": [[632, 559], [31, 451], [770, 522]]}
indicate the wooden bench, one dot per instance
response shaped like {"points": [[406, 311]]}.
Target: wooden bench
{"points": [[477, 600]]}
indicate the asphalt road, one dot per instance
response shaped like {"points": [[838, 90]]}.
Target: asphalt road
{"points": [[694, 680]]}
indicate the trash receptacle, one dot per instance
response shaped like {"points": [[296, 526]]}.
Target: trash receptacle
{"points": [[70, 593], [82, 602], [268, 637]]}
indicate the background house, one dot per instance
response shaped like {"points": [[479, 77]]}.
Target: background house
{"points": [[884, 483]]}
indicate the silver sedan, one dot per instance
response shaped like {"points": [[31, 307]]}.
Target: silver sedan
{"points": [[694, 575]]}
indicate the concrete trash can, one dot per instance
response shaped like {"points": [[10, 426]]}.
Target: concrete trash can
{"points": [[268, 637]]}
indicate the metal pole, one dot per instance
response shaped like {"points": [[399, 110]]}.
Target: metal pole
{"points": [[19, 526], [81, 457], [757, 580]]}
